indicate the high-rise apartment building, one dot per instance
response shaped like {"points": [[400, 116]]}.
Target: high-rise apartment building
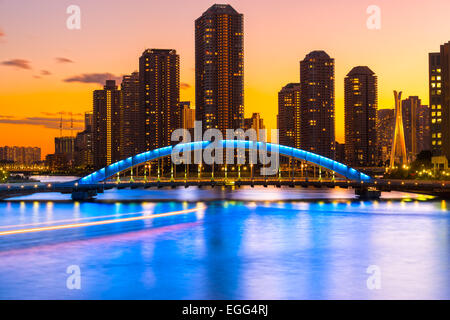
{"points": [[317, 104], [423, 129], [20, 155], [436, 102], [416, 123], [361, 103], [219, 68], [288, 119], [187, 115], [256, 123], [65, 145], [159, 95], [84, 143], [131, 126], [385, 133], [445, 127], [107, 125]]}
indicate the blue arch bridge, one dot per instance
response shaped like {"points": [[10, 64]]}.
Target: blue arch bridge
{"points": [[365, 186]]}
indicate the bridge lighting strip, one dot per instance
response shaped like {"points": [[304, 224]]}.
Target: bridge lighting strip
{"points": [[103, 222]]}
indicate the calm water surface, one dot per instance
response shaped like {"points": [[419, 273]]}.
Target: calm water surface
{"points": [[245, 244]]}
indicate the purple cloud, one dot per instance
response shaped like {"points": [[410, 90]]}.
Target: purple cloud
{"points": [[18, 63], [45, 72], [63, 60], [184, 85], [99, 78]]}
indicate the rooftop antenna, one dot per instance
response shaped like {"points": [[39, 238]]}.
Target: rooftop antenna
{"points": [[60, 126], [71, 124]]}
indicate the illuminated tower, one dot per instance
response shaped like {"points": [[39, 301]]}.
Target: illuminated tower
{"points": [[289, 115], [436, 102], [361, 104], [130, 139], [159, 95], [219, 68], [106, 125], [398, 143], [410, 112], [317, 104]]}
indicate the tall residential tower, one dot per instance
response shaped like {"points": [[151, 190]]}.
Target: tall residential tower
{"points": [[106, 125], [361, 102], [317, 104], [159, 95], [131, 126], [288, 118], [219, 68]]}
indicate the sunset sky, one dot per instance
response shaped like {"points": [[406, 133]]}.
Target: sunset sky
{"points": [[46, 68]]}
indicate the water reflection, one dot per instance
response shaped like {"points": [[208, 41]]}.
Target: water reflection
{"points": [[254, 245]]}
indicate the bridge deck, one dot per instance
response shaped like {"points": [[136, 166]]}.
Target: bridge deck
{"points": [[436, 188]]}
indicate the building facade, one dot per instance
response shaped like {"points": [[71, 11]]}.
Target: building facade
{"points": [[361, 104], [219, 68], [107, 123], [159, 94], [445, 127], [385, 133], [131, 126], [416, 123], [436, 102], [423, 129], [256, 123], [84, 143], [187, 115], [20, 155], [288, 118], [317, 104]]}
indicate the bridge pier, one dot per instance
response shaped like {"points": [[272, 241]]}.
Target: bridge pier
{"points": [[83, 195]]}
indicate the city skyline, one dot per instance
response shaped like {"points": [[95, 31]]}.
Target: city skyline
{"points": [[38, 100]]}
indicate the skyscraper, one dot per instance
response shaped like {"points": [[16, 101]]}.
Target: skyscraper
{"points": [[445, 65], [361, 103], [159, 94], [131, 127], [219, 68], [288, 119], [317, 104], [187, 120], [410, 113], [255, 122], [423, 129], [83, 143], [436, 102], [106, 125], [20, 155], [385, 133], [187, 115]]}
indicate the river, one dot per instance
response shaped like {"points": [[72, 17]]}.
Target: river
{"points": [[261, 243]]}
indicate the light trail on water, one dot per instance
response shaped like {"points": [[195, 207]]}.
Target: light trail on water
{"points": [[73, 220], [102, 222]]}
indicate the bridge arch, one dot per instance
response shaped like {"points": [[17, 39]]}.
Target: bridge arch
{"points": [[122, 165]]}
